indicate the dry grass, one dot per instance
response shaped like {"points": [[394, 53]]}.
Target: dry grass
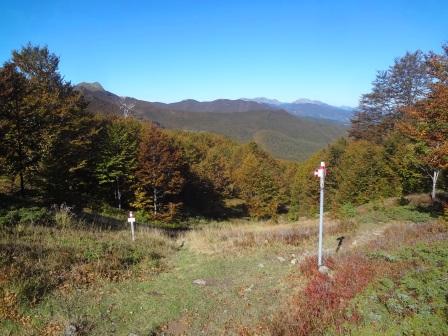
{"points": [[401, 234], [237, 236]]}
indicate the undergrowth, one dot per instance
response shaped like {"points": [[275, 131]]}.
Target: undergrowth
{"points": [[36, 261], [415, 304], [413, 287]]}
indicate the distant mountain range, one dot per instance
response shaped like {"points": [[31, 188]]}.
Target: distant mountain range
{"points": [[217, 106], [284, 134], [310, 108]]}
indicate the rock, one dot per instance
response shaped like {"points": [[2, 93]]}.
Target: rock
{"points": [[354, 243], [324, 270], [281, 259], [294, 261], [71, 330], [260, 265], [249, 289], [132, 334], [200, 282]]}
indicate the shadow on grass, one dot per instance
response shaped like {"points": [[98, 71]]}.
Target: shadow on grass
{"points": [[434, 210]]}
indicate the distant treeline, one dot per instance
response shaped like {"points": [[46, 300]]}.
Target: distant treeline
{"points": [[54, 150]]}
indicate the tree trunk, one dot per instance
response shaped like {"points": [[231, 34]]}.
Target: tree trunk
{"points": [[155, 200], [22, 184], [20, 151], [118, 194], [434, 184]]}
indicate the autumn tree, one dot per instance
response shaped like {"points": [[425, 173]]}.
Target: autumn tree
{"points": [[160, 174], [257, 181], [438, 65], [210, 180], [404, 83], [426, 123]]}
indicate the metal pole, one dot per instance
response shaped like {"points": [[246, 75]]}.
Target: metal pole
{"points": [[321, 217], [132, 231]]}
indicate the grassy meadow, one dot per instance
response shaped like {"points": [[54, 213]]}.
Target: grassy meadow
{"points": [[227, 278]]}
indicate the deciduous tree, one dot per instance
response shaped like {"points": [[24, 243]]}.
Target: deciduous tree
{"points": [[404, 83], [117, 157], [20, 126], [61, 131], [160, 175], [257, 182], [426, 123]]}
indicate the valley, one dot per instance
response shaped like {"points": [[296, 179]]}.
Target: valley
{"points": [[280, 133]]}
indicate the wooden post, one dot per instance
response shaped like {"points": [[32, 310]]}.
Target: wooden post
{"points": [[131, 220]]}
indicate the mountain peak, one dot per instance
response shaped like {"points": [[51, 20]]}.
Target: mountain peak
{"points": [[308, 101], [263, 100], [95, 86]]}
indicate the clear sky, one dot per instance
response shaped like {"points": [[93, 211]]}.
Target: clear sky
{"points": [[167, 50]]}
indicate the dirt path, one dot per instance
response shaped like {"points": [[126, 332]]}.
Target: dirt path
{"points": [[243, 286]]}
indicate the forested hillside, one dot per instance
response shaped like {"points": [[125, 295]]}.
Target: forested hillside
{"points": [[278, 132], [57, 149]]}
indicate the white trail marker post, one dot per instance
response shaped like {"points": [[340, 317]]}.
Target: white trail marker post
{"points": [[320, 172], [131, 220]]}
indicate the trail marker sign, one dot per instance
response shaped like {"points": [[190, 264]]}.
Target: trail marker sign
{"points": [[131, 220], [321, 172]]}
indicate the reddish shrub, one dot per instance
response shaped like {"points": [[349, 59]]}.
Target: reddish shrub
{"points": [[322, 302]]}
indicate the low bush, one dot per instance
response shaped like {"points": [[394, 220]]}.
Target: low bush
{"points": [[347, 211], [407, 213], [322, 302], [412, 304], [63, 216], [31, 215]]}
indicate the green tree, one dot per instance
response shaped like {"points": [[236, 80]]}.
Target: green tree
{"points": [[20, 126], [117, 157], [403, 156], [364, 175], [305, 187], [67, 132]]}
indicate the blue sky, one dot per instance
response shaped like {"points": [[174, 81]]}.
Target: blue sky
{"points": [[169, 50]]}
